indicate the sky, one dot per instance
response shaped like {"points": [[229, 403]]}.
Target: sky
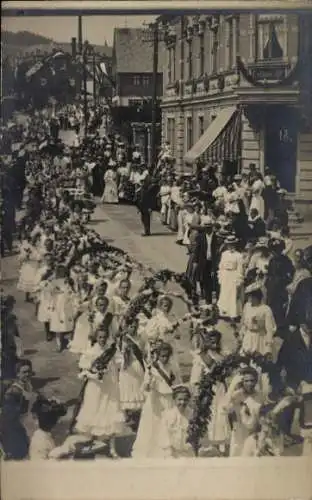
{"points": [[95, 29]]}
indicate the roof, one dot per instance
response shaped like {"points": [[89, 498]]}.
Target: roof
{"points": [[132, 53]]}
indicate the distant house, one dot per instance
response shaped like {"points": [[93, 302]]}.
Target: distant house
{"points": [[132, 72]]}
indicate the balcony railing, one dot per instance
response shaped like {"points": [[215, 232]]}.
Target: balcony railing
{"points": [[269, 69]]}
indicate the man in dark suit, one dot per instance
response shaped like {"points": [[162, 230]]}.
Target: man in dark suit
{"points": [[203, 260], [295, 357], [145, 201]]}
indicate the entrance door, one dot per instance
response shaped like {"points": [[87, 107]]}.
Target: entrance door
{"points": [[281, 145]]}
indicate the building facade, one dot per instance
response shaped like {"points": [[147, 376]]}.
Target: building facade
{"points": [[237, 90], [132, 71]]}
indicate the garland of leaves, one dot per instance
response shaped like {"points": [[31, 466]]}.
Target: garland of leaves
{"points": [[202, 409]]}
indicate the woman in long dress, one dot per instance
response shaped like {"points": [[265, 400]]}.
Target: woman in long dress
{"points": [[99, 416], [160, 376], [110, 194], [205, 359], [257, 200], [230, 276], [45, 298], [242, 404], [174, 426], [301, 273]]}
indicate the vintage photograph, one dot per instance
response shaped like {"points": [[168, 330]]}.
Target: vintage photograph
{"points": [[156, 235]]}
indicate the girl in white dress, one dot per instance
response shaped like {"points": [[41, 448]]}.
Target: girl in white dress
{"points": [[118, 305], [160, 376], [205, 360], [231, 276], [45, 297], [242, 404], [29, 258], [99, 415], [258, 326], [131, 373], [110, 194], [63, 307], [87, 323], [174, 426]]}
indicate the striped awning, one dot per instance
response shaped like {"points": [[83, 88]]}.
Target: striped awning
{"points": [[221, 140]]}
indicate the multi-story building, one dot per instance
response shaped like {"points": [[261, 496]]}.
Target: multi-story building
{"points": [[132, 71], [238, 90]]}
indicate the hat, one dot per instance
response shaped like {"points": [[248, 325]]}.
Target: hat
{"points": [[206, 220], [253, 287], [231, 239], [262, 242]]}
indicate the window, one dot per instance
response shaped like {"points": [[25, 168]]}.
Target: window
{"points": [[173, 57], [190, 60], [201, 125], [189, 132], [214, 52], [271, 41], [202, 54], [146, 81], [136, 81], [182, 61], [169, 65], [230, 43]]}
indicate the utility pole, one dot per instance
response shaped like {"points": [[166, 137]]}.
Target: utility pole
{"points": [[154, 94], [80, 35], [94, 76], [85, 101]]}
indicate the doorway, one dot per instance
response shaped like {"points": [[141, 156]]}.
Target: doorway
{"points": [[281, 145]]}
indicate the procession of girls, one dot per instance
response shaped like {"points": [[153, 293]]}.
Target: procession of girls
{"points": [[129, 365]]}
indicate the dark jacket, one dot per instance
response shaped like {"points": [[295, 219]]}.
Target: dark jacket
{"points": [[296, 359]]}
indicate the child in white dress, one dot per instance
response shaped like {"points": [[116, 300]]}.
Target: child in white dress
{"points": [[160, 376], [99, 415], [205, 360], [174, 426]]}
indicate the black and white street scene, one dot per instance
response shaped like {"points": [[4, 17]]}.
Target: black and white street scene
{"points": [[156, 236]]}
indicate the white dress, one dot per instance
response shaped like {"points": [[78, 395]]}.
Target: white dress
{"points": [[62, 307], [246, 422], [45, 301], [257, 200], [188, 219], [218, 427], [30, 258], [257, 329], [131, 378], [158, 399], [231, 275], [41, 445], [173, 434], [84, 328], [110, 194], [100, 413]]}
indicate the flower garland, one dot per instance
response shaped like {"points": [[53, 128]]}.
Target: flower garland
{"points": [[202, 411]]}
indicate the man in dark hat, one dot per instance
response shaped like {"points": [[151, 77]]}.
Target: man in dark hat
{"points": [[145, 197]]}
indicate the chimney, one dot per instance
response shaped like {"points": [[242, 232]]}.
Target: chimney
{"points": [[74, 47]]}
